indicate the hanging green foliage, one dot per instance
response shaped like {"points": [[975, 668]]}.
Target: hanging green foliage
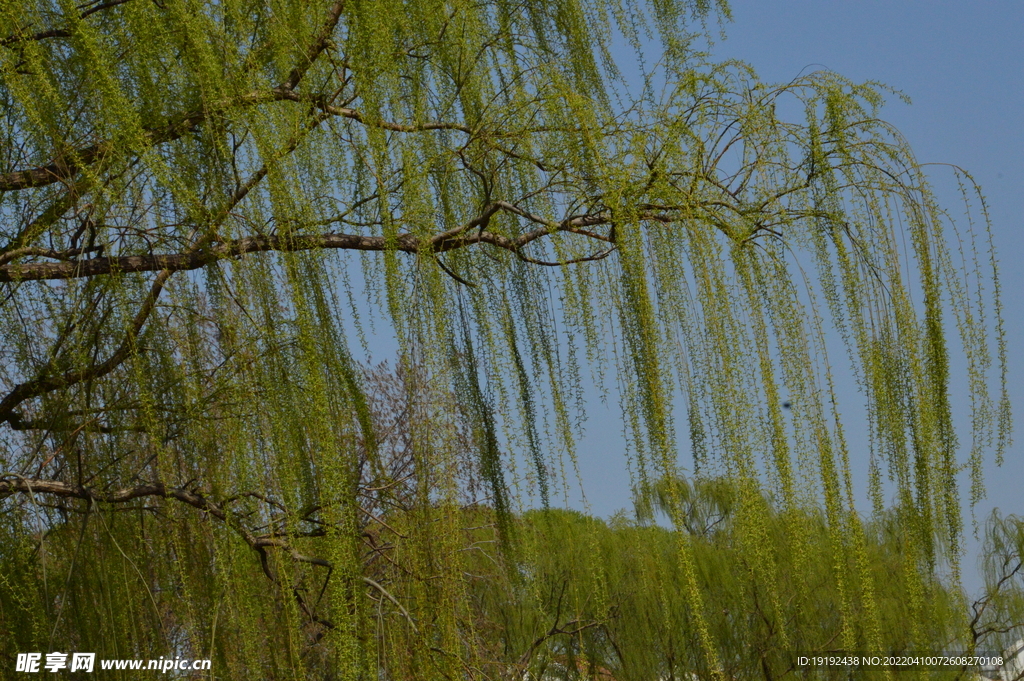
{"points": [[210, 211]]}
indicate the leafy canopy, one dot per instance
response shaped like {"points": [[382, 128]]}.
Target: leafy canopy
{"points": [[194, 462]]}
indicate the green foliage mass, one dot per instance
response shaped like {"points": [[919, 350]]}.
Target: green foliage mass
{"points": [[610, 601], [207, 209]]}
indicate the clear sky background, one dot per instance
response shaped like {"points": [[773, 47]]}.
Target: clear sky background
{"points": [[962, 65]]}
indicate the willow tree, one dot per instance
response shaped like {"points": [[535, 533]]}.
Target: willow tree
{"points": [[194, 462]]}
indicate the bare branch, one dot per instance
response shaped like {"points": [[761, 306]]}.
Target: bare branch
{"points": [[459, 237], [16, 484]]}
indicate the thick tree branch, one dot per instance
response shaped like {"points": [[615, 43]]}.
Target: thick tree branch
{"points": [[69, 163], [49, 383], [316, 48], [10, 485], [15, 484], [59, 32], [18, 422], [459, 237]]}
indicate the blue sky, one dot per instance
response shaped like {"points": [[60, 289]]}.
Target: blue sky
{"points": [[962, 65]]}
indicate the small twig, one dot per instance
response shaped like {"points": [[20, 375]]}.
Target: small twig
{"points": [[387, 594]]}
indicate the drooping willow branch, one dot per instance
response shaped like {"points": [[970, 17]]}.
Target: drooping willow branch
{"points": [[11, 485], [70, 162], [208, 250], [68, 166], [46, 383]]}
